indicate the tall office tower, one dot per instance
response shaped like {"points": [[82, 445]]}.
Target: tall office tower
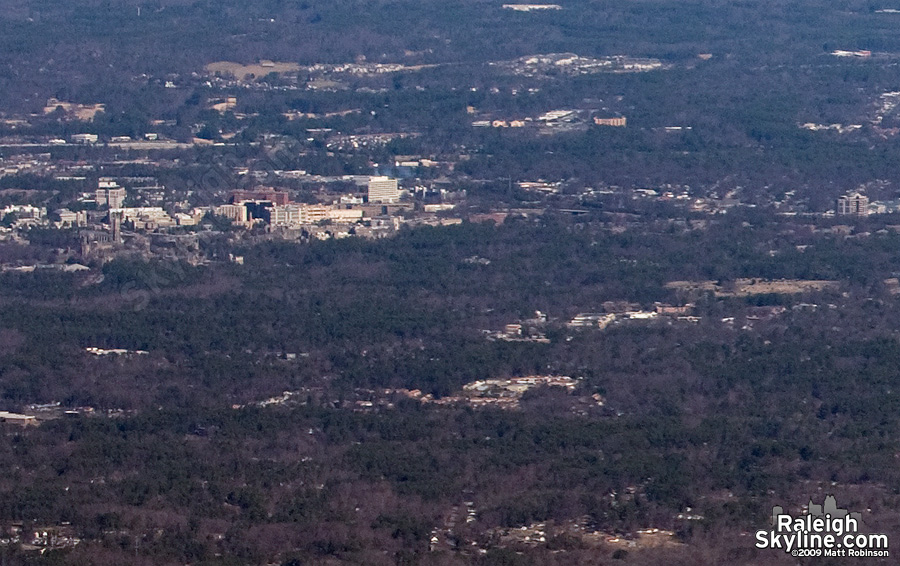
{"points": [[383, 189], [115, 197], [109, 193]]}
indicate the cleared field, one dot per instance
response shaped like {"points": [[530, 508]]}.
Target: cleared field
{"points": [[241, 71], [747, 287]]}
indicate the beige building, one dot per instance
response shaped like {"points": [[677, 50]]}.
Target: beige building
{"points": [[16, 419], [115, 198], [295, 214], [383, 189], [343, 215], [145, 217], [184, 219], [854, 204], [313, 213], [109, 193], [619, 122], [234, 212]]}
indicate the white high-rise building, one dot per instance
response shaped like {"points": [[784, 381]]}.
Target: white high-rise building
{"points": [[287, 215], [383, 189], [109, 193]]}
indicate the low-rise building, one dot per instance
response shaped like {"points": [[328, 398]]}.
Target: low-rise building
{"points": [[619, 122], [152, 213], [513, 329], [280, 198], [67, 217], [531, 7], [674, 310], [184, 219], [24, 211], [592, 320], [85, 138], [344, 215], [17, 419]]}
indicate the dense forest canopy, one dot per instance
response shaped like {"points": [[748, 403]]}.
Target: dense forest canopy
{"points": [[692, 410]]}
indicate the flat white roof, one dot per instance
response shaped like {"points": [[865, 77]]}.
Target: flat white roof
{"points": [[15, 416]]}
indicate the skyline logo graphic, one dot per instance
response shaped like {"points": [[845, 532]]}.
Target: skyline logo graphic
{"points": [[823, 530]]}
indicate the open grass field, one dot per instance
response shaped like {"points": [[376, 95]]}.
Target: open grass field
{"points": [[241, 71], [747, 287]]}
